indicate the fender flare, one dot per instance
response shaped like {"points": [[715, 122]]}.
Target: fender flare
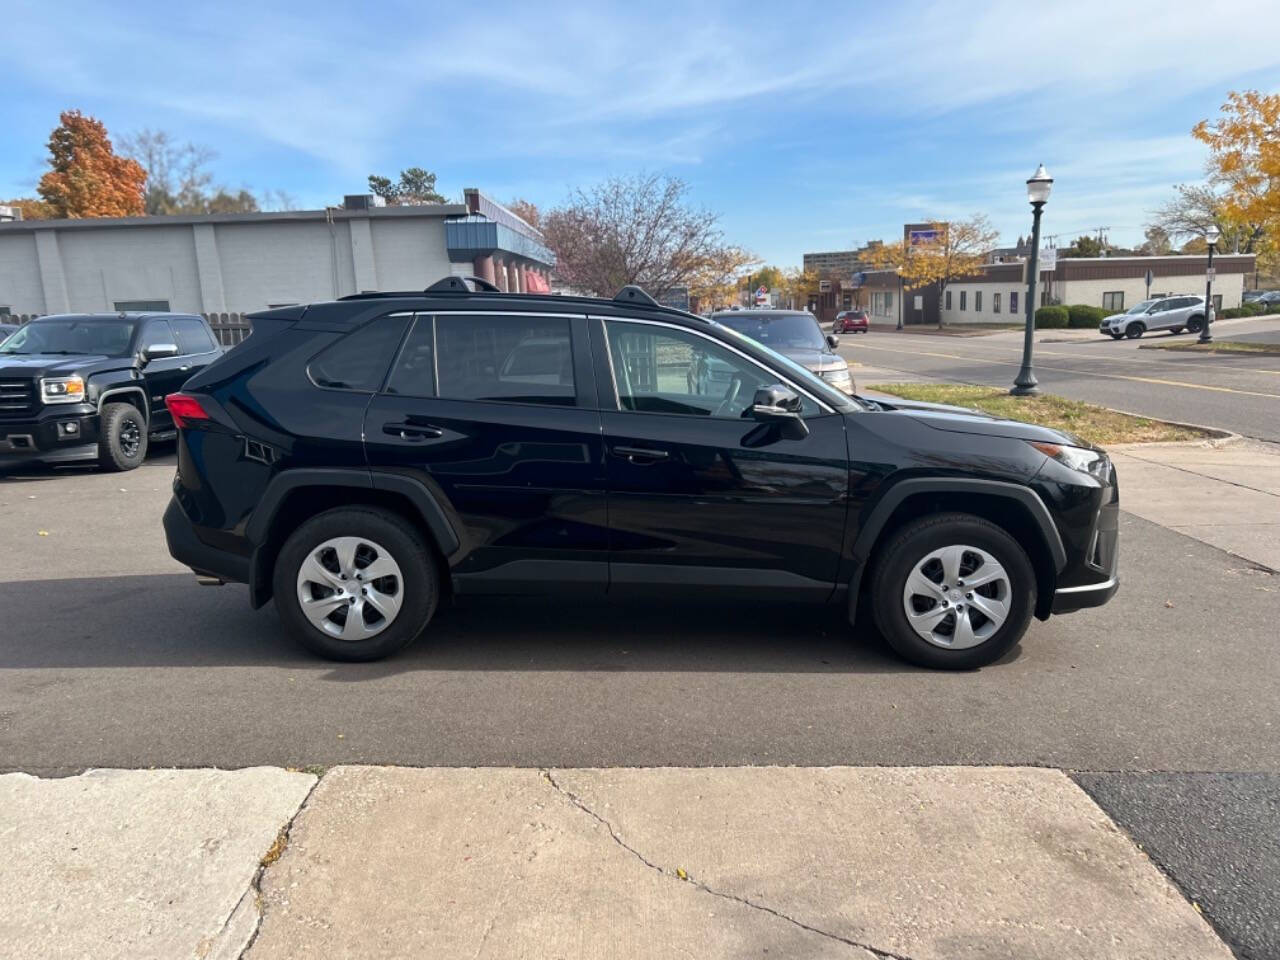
{"points": [[875, 521], [132, 388], [282, 484]]}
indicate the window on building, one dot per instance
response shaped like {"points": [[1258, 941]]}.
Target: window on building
{"points": [[359, 360], [963, 295], [193, 336], [659, 370], [6, 311], [510, 359], [977, 300], [1013, 301], [882, 304], [995, 303], [1113, 301], [947, 298], [142, 306]]}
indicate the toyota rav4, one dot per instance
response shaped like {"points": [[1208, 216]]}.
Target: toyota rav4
{"points": [[363, 460]]}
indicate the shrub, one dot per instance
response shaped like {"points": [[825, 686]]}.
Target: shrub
{"points": [[1232, 313], [1082, 315], [1051, 318]]}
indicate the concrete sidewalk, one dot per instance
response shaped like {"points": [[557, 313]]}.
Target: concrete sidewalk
{"points": [[943, 862], [1225, 495]]}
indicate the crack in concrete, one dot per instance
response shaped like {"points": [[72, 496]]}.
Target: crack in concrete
{"points": [[255, 885], [689, 879]]}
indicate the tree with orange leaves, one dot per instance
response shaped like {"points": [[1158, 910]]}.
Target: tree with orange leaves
{"points": [[87, 178]]}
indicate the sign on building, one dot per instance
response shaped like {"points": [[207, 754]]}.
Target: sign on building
{"points": [[924, 239]]}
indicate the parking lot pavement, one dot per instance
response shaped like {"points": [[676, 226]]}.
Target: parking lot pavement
{"points": [[1216, 835]]}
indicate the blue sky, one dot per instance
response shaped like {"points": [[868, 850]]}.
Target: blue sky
{"points": [[806, 126]]}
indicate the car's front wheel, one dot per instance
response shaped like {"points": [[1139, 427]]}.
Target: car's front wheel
{"points": [[122, 440], [1116, 335], [1135, 330], [355, 583], [952, 591]]}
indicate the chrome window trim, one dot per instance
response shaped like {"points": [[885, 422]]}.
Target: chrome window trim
{"points": [[822, 405]]}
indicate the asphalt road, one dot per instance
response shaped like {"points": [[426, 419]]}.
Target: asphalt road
{"points": [[1235, 392], [111, 655]]}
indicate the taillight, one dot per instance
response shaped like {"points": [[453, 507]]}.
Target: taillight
{"points": [[185, 409]]}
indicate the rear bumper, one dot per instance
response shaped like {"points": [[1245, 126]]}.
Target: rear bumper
{"points": [[186, 547]]}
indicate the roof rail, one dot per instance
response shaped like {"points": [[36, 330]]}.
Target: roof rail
{"points": [[633, 294], [459, 285]]}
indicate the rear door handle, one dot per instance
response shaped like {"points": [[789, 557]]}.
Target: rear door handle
{"points": [[640, 454], [411, 431]]}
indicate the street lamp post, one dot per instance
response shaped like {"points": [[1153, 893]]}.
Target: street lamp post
{"points": [[1038, 187], [1211, 235], [899, 272]]}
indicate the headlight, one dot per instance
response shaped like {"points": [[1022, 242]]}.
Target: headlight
{"points": [[62, 390], [1078, 458]]}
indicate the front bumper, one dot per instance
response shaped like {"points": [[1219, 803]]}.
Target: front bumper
{"points": [[55, 434]]}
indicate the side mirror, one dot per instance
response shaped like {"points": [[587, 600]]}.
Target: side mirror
{"points": [[158, 351], [833, 341], [781, 406]]}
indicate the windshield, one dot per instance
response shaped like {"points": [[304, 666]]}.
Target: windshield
{"points": [[778, 331], [1140, 307], [799, 375], [78, 335]]}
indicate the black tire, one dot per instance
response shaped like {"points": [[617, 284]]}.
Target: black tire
{"points": [[1175, 331], [122, 437], [1117, 336], [897, 558], [1195, 324], [419, 581], [1134, 330]]}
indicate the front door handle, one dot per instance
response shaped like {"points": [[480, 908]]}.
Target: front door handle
{"points": [[640, 454], [412, 431]]}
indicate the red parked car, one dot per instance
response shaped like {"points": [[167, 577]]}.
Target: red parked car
{"points": [[851, 321]]}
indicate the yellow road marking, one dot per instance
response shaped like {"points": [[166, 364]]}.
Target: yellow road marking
{"points": [[1087, 373]]}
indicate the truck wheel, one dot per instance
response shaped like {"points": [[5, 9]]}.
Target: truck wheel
{"points": [[122, 437], [355, 583], [952, 591]]}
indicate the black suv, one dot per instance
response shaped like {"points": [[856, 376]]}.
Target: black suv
{"points": [[363, 459], [77, 387]]}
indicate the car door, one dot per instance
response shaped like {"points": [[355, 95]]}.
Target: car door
{"points": [[163, 375], [496, 415], [195, 344], [701, 496], [1162, 315]]}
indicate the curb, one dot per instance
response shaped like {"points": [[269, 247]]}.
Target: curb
{"points": [[1176, 348], [1217, 436]]}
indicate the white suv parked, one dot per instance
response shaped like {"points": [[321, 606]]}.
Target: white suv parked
{"points": [[1168, 313]]}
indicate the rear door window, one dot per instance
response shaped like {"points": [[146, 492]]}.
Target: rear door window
{"points": [[508, 358], [360, 359], [193, 336]]}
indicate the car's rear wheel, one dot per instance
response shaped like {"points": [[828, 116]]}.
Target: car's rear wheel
{"points": [[122, 437], [355, 583], [1195, 324], [952, 591], [1135, 330]]}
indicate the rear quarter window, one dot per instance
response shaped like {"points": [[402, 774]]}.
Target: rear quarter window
{"points": [[359, 360]]}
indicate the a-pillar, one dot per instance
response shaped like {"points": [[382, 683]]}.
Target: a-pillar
{"points": [[484, 269]]}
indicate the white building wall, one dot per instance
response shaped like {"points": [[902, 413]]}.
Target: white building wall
{"points": [[988, 312], [410, 254], [284, 262], [1229, 285], [104, 267], [20, 288]]}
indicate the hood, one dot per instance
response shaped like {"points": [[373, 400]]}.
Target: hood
{"points": [[55, 364], [815, 360], [940, 416], [1114, 316]]}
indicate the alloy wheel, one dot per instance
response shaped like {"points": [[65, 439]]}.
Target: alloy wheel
{"points": [[350, 587], [130, 437], [957, 597]]}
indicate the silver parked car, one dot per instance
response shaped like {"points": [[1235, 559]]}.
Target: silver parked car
{"points": [[794, 334], [1167, 313]]}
